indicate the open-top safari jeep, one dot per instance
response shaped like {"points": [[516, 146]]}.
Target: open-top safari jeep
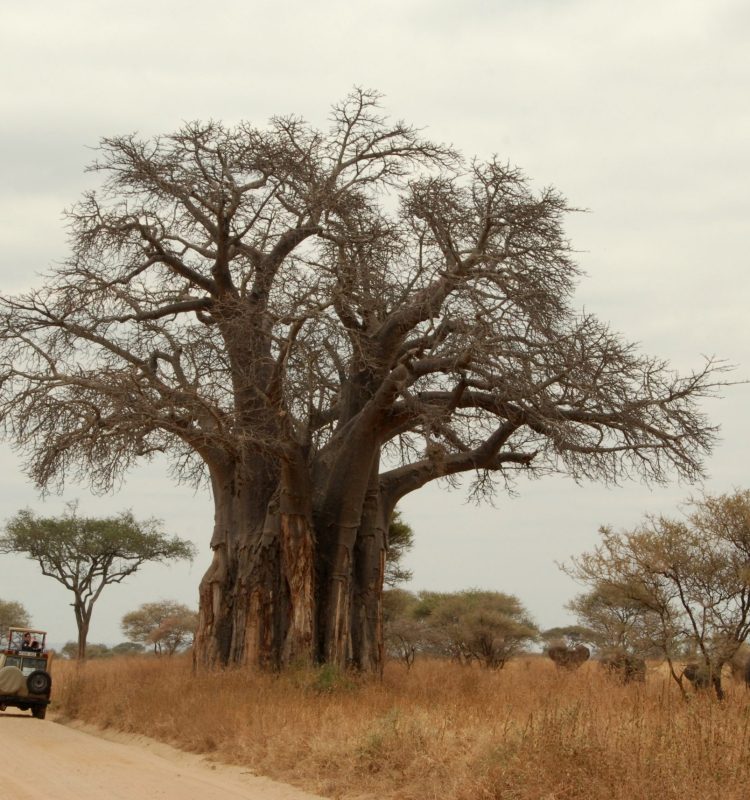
{"points": [[25, 680]]}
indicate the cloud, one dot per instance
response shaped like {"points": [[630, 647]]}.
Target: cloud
{"points": [[636, 111]]}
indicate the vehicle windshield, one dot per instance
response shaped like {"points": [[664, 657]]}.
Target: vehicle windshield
{"points": [[26, 664]]}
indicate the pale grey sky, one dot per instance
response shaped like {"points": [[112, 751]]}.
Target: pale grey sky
{"points": [[639, 112]]}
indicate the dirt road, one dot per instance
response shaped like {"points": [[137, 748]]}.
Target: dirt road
{"points": [[42, 760]]}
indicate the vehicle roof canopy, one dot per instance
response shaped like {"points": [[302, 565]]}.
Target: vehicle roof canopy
{"points": [[32, 631], [15, 640]]}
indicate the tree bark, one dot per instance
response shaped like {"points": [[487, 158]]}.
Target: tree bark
{"points": [[292, 584], [256, 603], [83, 618], [369, 570]]}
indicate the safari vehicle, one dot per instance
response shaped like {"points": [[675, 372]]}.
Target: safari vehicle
{"points": [[25, 680]]}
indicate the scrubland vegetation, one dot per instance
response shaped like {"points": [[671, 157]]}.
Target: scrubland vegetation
{"points": [[440, 730]]}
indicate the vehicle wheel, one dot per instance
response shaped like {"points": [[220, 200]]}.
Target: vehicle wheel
{"points": [[39, 712], [39, 682]]}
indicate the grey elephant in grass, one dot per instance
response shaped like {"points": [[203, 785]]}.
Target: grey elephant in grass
{"points": [[703, 676], [568, 657], [626, 666], [740, 666], [698, 674]]}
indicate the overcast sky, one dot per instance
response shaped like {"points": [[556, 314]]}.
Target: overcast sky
{"points": [[638, 112]]}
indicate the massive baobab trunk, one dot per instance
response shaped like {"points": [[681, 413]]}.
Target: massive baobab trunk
{"points": [[294, 580], [257, 597]]}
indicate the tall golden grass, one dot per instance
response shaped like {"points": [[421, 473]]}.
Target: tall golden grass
{"points": [[528, 732]]}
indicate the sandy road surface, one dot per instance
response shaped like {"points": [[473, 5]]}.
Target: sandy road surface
{"points": [[41, 760]]}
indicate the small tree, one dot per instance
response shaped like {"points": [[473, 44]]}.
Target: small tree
{"points": [[570, 635], [166, 625], [615, 620], [689, 579], [403, 633], [85, 554], [473, 625], [176, 632], [14, 615]]}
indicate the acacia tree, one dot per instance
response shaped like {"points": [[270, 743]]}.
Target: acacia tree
{"points": [[166, 625], [403, 633], [85, 554], [570, 635], [319, 323], [685, 583], [474, 625], [616, 621]]}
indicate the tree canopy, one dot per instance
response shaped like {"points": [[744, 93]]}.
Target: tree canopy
{"points": [[12, 614], [85, 554], [319, 322], [474, 625], [400, 542], [617, 622], [165, 625], [570, 635]]}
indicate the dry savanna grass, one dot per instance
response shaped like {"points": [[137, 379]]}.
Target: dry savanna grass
{"points": [[528, 732]]}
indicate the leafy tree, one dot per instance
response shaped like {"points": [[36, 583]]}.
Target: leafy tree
{"points": [[570, 635], [12, 614], [85, 554], [319, 323], [400, 541], [688, 579], [127, 649], [98, 650], [488, 627], [404, 633], [166, 625], [93, 650], [397, 603], [617, 622]]}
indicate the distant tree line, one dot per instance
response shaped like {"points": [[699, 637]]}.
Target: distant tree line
{"points": [[164, 627], [671, 588], [677, 589]]}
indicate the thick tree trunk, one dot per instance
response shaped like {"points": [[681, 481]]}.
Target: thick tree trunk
{"points": [[283, 589], [345, 523], [367, 606], [256, 599]]}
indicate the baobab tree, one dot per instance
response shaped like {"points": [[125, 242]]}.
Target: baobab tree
{"points": [[318, 323]]}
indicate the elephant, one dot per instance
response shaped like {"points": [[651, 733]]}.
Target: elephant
{"points": [[568, 657], [740, 666], [698, 674], [704, 676], [626, 666]]}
